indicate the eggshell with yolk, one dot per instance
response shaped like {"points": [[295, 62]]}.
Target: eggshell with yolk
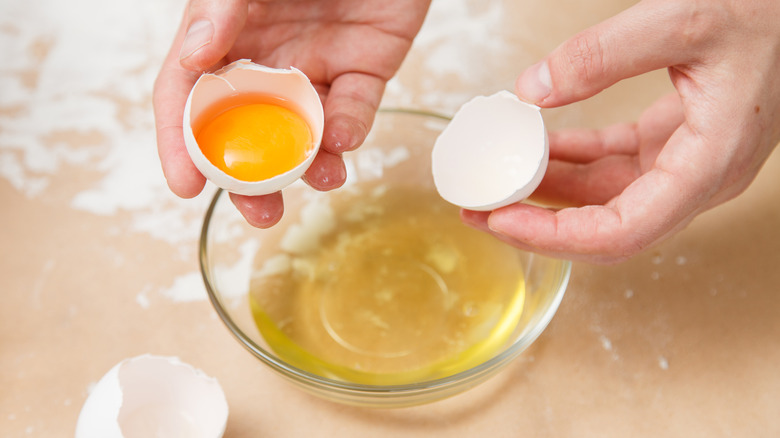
{"points": [[246, 77]]}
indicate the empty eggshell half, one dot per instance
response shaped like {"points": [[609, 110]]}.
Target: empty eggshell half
{"points": [[151, 396], [493, 153], [246, 77]]}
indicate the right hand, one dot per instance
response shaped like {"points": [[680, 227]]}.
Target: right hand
{"points": [[633, 185]]}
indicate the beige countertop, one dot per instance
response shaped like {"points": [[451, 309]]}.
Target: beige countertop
{"points": [[99, 260]]}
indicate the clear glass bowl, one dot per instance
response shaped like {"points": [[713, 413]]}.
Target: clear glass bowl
{"points": [[397, 152]]}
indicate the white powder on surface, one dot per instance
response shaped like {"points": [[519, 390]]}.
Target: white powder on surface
{"points": [[232, 279], [462, 43], [605, 343], [75, 91], [142, 299], [86, 71], [451, 28], [186, 288], [60, 91]]}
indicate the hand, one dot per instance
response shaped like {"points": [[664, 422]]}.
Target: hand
{"points": [[636, 184], [349, 49]]}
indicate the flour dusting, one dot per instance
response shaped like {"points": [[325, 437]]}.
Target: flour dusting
{"points": [[93, 112], [186, 288], [451, 28]]}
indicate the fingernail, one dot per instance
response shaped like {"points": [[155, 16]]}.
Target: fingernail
{"points": [[535, 84], [343, 134], [198, 35], [495, 225], [475, 219]]}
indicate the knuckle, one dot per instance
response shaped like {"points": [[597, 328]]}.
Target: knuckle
{"points": [[620, 243], [699, 19], [585, 56], [622, 250], [618, 251]]}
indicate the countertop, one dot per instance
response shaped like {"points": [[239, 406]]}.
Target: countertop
{"points": [[99, 259]]}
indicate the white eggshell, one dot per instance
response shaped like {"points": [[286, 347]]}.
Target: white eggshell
{"points": [[153, 396], [493, 153], [244, 76]]}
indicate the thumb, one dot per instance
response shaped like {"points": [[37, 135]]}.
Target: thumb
{"points": [[212, 28], [645, 37]]}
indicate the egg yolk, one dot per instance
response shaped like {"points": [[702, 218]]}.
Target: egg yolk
{"points": [[257, 141]]}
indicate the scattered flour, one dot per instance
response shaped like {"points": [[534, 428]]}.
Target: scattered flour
{"points": [[143, 298], [103, 100], [232, 278], [451, 28], [105, 95], [605, 342], [93, 113], [462, 42], [186, 288]]}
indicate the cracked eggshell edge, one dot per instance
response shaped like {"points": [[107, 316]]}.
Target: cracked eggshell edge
{"points": [[519, 190], [244, 76], [131, 384]]}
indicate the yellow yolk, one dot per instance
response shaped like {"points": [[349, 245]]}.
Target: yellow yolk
{"points": [[254, 142]]}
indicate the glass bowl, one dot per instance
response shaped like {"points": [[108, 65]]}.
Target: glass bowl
{"points": [[269, 279]]}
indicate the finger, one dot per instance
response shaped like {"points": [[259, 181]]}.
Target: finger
{"points": [[350, 108], [260, 211], [593, 166], [575, 184], [655, 126], [212, 28], [478, 220], [659, 202], [587, 145], [327, 172], [171, 89], [645, 37]]}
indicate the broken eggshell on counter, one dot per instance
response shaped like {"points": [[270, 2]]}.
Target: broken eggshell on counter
{"points": [[246, 77], [493, 153], [149, 396]]}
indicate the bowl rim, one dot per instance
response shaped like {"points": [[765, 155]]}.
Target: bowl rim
{"points": [[315, 380]]}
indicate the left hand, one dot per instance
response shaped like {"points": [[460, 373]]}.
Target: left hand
{"points": [[349, 49]]}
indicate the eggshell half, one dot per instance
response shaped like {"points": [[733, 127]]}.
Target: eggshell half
{"points": [[244, 76], [149, 396], [493, 153]]}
